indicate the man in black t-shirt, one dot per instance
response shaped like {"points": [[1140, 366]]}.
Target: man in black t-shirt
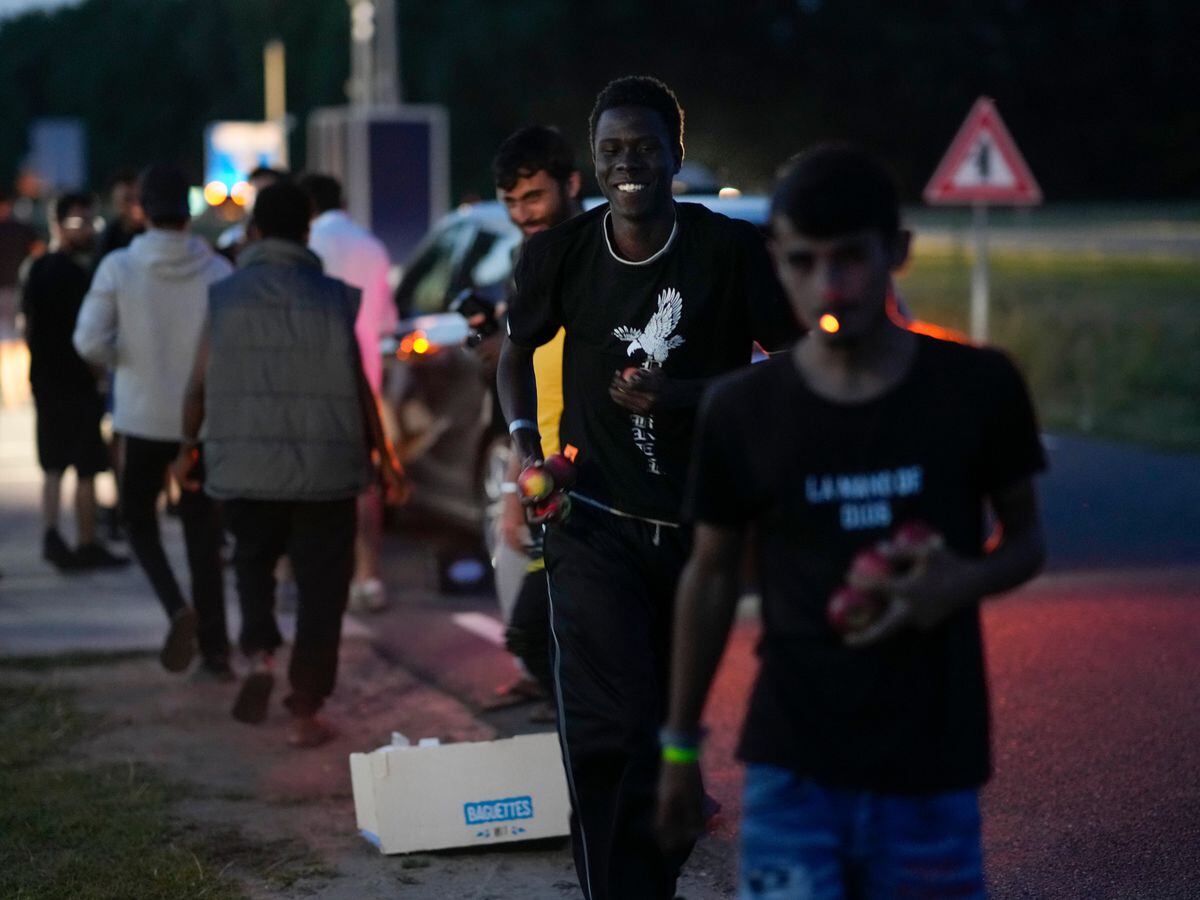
{"points": [[65, 395], [864, 752], [656, 299]]}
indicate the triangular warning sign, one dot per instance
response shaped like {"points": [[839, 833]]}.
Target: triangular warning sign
{"points": [[983, 165]]}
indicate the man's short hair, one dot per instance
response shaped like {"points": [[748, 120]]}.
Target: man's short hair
{"points": [[324, 191], [120, 176], [267, 172], [640, 90], [282, 210], [533, 149], [69, 201], [163, 188], [837, 188]]}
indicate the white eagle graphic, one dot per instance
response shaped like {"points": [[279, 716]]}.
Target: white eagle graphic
{"points": [[656, 340]]}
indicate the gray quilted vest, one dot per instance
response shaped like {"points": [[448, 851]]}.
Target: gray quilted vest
{"points": [[282, 419]]}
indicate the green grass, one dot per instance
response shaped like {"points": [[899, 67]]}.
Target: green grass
{"points": [[90, 832], [1110, 345]]}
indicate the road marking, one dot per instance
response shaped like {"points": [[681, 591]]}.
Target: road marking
{"points": [[484, 626]]}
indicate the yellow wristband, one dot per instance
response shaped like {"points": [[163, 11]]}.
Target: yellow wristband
{"points": [[680, 756]]}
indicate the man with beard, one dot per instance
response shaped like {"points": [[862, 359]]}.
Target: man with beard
{"points": [[539, 184]]}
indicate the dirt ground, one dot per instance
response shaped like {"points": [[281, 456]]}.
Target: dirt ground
{"points": [[291, 812]]}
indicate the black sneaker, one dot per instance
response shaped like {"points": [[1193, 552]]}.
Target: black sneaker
{"points": [[254, 696], [180, 646], [97, 556], [56, 552]]}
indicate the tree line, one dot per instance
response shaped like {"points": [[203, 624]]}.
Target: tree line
{"points": [[1100, 94]]}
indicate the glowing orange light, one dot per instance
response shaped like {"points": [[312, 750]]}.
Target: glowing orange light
{"points": [[406, 344], [420, 345], [829, 324], [241, 193], [215, 193]]}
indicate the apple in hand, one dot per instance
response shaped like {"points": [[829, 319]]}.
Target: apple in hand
{"points": [[554, 508], [852, 610], [871, 564], [911, 543], [561, 471], [535, 483]]}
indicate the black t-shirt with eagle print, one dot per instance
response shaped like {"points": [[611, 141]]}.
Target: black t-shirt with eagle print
{"points": [[693, 310]]}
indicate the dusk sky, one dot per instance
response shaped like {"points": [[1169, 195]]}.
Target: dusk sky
{"points": [[12, 7]]}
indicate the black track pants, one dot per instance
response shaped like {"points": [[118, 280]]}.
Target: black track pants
{"points": [[612, 587]]}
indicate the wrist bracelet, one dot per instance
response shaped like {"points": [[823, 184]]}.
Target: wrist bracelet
{"points": [[518, 424], [508, 487], [680, 756]]}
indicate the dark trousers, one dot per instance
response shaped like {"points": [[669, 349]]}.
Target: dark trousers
{"points": [[528, 634], [612, 587], [318, 538], [143, 469]]}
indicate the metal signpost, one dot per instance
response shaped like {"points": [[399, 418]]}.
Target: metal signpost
{"points": [[982, 167]]}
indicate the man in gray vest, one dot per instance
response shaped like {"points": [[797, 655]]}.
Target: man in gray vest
{"points": [[290, 428]]}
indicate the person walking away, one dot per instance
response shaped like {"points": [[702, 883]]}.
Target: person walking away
{"points": [[289, 426], [66, 399], [869, 455], [656, 298], [351, 253], [142, 317]]}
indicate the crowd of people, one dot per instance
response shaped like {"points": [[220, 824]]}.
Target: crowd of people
{"points": [[292, 460], [626, 345]]}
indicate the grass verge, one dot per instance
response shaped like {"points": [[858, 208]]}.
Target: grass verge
{"points": [[90, 832], [1110, 345]]}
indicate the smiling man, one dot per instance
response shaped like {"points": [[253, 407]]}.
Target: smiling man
{"points": [[656, 298]]}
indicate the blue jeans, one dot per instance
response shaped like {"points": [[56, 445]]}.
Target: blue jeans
{"points": [[803, 840]]}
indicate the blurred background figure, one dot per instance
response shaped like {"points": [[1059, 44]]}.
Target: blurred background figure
{"points": [[68, 404], [351, 253], [126, 218], [18, 240], [231, 241], [143, 317]]}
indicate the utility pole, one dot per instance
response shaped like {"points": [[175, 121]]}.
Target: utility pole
{"points": [[374, 58], [275, 89]]}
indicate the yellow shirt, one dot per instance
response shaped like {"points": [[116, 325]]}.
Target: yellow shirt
{"points": [[547, 371]]}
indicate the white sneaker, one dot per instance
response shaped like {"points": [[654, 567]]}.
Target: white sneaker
{"points": [[368, 596]]}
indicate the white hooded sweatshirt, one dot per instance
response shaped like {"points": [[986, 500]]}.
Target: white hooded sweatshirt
{"points": [[142, 317]]}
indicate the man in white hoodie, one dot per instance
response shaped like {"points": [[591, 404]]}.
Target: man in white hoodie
{"points": [[143, 317]]}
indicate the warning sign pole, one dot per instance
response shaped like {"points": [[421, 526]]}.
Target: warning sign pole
{"points": [[983, 166], [979, 275]]}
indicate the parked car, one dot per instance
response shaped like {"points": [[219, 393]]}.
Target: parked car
{"points": [[440, 404]]}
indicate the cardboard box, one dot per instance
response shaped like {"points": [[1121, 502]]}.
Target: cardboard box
{"points": [[431, 797]]}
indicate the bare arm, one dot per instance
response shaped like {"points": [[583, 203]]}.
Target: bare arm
{"points": [[943, 582], [391, 473], [704, 607], [517, 390]]}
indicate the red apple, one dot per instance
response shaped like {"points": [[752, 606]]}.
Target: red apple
{"points": [[535, 483], [870, 565], [916, 537], [554, 508], [560, 469], [852, 610]]}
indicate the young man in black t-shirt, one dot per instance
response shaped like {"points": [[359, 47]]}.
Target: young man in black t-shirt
{"points": [[864, 753], [656, 298], [65, 394]]}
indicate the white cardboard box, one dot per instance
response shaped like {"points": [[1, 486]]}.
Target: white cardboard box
{"points": [[461, 795]]}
